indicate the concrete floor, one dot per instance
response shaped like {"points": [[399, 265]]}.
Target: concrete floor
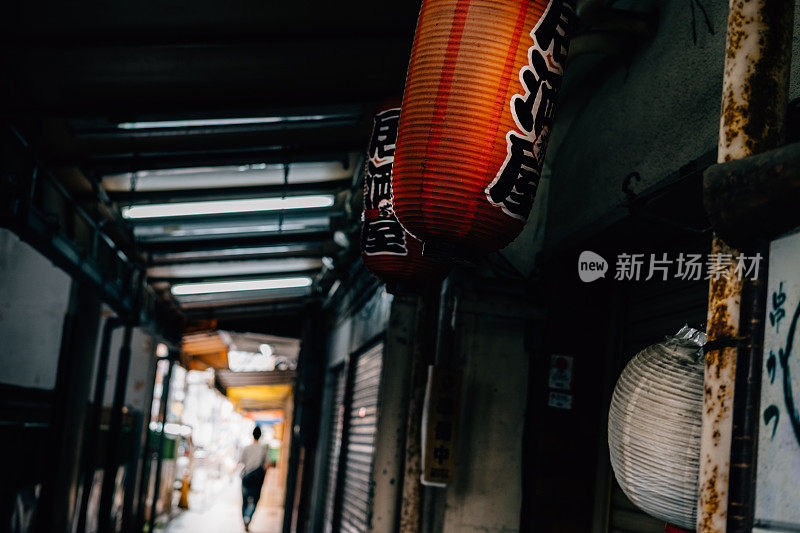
{"points": [[218, 509]]}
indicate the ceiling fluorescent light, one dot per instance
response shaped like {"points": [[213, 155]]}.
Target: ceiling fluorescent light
{"points": [[215, 207], [185, 289], [235, 268], [195, 123]]}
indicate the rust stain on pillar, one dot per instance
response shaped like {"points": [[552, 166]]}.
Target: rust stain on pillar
{"points": [[754, 99], [756, 79], [722, 328]]}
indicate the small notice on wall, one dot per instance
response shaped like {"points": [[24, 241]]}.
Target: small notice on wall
{"points": [[778, 470], [560, 372], [439, 425], [559, 382], [559, 400]]}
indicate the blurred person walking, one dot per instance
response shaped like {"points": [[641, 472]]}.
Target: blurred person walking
{"points": [[254, 460]]}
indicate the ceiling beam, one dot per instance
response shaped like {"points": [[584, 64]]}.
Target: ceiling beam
{"points": [[305, 250], [243, 277], [351, 130], [129, 161], [220, 300], [229, 378], [249, 311], [217, 243], [226, 193]]}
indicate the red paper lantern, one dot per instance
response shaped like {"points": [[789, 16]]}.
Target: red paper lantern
{"points": [[476, 115], [387, 250]]}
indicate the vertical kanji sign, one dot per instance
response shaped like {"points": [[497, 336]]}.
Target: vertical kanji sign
{"points": [[388, 251], [382, 233], [514, 187], [777, 505], [440, 425]]}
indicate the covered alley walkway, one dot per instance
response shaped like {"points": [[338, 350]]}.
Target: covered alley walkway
{"points": [[428, 266], [218, 510]]}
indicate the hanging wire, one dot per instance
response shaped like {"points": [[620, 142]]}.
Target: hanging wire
{"points": [[694, 19]]}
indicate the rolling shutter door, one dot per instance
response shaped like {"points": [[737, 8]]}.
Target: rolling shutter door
{"points": [[334, 444], [654, 310], [356, 497]]}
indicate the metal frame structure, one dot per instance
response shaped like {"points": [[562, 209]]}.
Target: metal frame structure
{"points": [[46, 215], [165, 390]]}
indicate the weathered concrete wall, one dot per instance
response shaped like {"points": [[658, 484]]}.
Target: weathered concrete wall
{"points": [[33, 300], [652, 115], [356, 330], [486, 493]]}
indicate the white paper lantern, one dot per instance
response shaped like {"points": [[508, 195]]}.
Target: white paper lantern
{"points": [[654, 427]]}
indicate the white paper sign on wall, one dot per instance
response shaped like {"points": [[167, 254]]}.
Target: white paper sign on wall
{"points": [[560, 372], [778, 471]]}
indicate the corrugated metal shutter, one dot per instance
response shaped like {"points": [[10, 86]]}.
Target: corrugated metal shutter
{"points": [[654, 310], [334, 444], [356, 497]]}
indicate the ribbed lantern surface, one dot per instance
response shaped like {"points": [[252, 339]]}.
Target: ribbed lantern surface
{"points": [[654, 427], [477, 111], [387, 250]]}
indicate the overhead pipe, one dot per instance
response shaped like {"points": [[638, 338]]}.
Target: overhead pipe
{"points": [[748, 198], [609, 31], [754, 99]]}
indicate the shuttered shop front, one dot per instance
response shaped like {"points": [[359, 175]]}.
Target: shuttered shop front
{"points": [[359, 447], [350, 450], [336, 426]]}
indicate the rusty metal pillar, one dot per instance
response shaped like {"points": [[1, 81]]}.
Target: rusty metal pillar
{"points": [[754, 99]]}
